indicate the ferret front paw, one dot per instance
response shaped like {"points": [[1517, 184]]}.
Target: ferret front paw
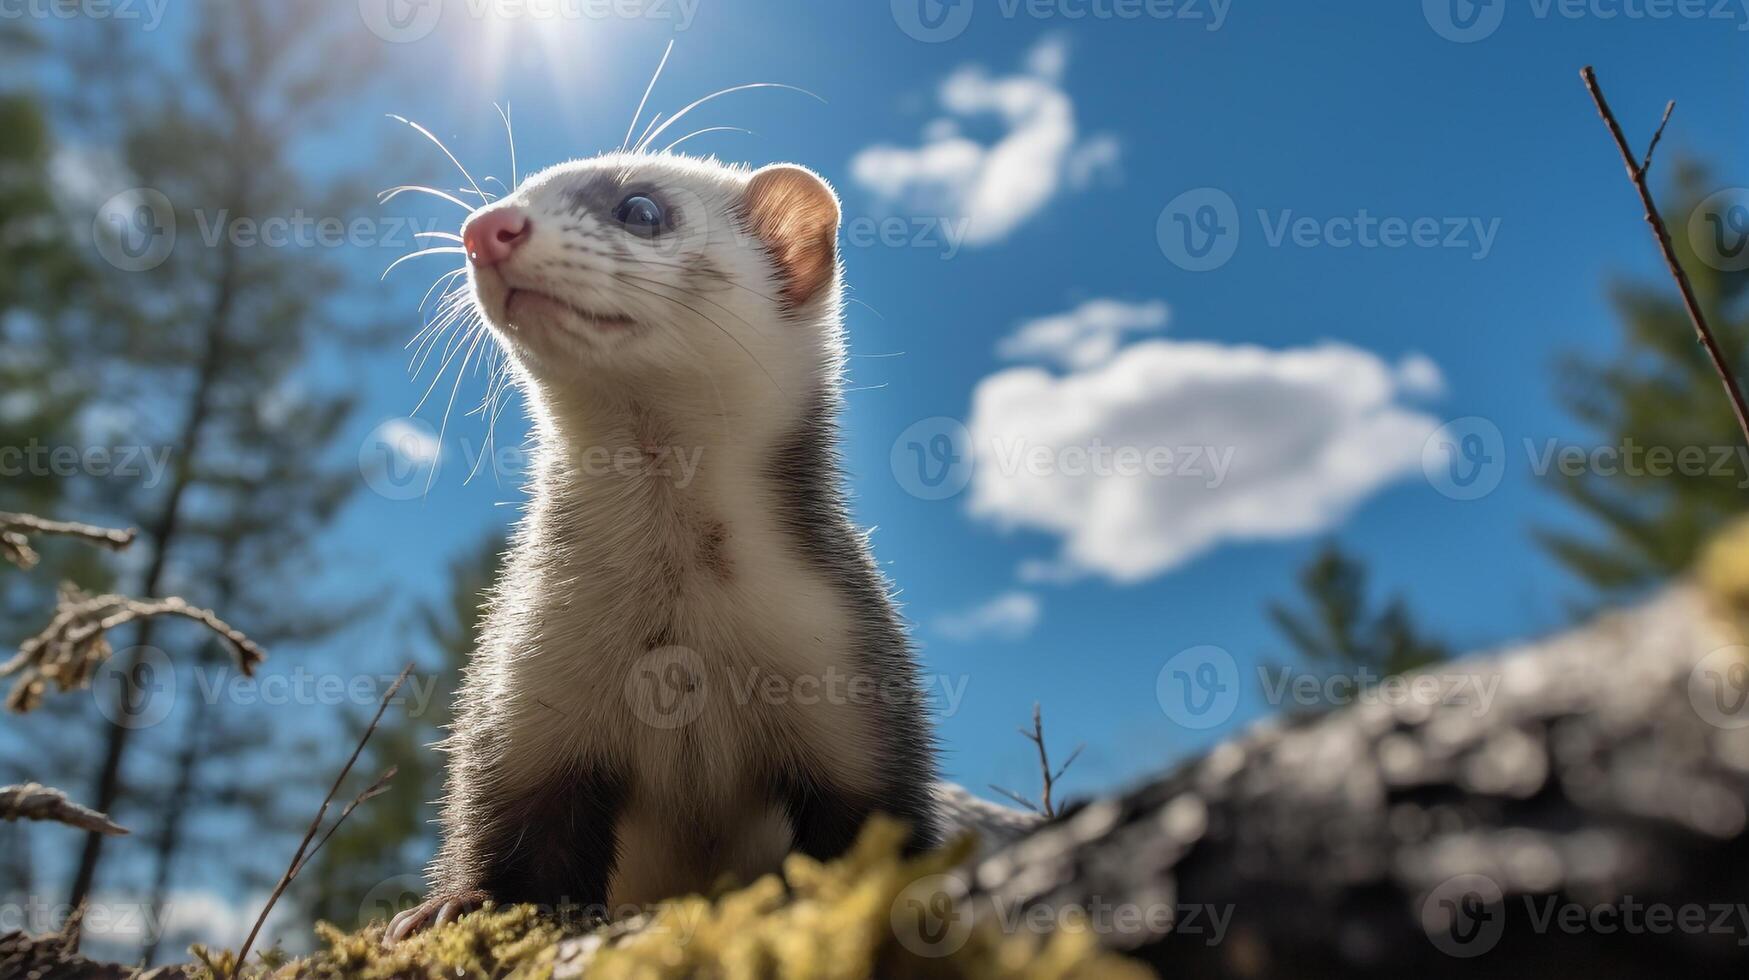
{"points": [[440, 909]]}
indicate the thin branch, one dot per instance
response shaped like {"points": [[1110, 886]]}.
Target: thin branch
{"points": [[1657, 137], [370, 792], [1016, 797], [299, 856], [1045, 806], [16, 530], [1637, 174], [69, 649], [34, 801]]}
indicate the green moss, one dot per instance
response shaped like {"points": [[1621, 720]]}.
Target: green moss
{"points": [[1723, 572], [871, 913]]}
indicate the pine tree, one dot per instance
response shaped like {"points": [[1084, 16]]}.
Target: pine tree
{"points": [[214, 333], [1656, 391], [44, 281], [1339, 629]]}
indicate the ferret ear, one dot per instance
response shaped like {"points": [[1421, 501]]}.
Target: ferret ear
{"points": [[795, 214]]}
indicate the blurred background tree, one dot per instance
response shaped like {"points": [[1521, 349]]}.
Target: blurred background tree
{"points": [[141, 312], [1657, 389], [1336, 627], [45, 314]]}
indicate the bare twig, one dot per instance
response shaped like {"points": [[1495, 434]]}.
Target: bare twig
{"points": [[370, 792], [1637, 173], [1657, 137], [1045, 807], [16, 529], [34, 801], [73, 930], [69, 649], [303, 852]]}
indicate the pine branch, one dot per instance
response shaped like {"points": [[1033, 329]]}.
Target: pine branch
{"points": [[1637, 174], [34, 801]]}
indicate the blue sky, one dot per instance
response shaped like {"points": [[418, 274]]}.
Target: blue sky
{"points": [[1027, 589]]}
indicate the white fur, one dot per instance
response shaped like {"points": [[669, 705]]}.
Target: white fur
{"points": [[605, 560]]}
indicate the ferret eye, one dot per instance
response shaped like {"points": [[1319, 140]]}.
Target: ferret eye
{"points": [[640, 215]]}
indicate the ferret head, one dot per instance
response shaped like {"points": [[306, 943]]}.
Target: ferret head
{"points": [[645, 271]]}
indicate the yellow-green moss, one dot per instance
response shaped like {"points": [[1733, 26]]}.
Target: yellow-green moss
{"points": [[1723, 572], [854, 918]]}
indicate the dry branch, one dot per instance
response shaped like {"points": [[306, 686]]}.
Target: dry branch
{"points": [[68, 651], [1637, 171], [304, 852], [1044, 807], [34, 801], [16, 530]]}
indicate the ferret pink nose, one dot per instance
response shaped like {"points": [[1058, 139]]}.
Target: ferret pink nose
{"points": [[490, 238]]}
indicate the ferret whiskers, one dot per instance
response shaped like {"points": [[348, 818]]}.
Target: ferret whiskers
{"points": [[652, 136], [458, 164], [647, 89]]}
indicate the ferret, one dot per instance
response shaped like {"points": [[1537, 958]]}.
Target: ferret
{"points": [[686, 672]]}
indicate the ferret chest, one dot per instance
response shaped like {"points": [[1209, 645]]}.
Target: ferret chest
{"points": [[684, 641]]}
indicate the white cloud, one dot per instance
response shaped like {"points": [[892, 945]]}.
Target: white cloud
{"points": [[414, 442], [996, 186], [1420, 376], [1171, 448], [1098, 155], [1009, 616], [1084, 337]]}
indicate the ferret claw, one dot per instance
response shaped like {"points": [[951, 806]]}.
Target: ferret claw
{"points": [[438, 910]]}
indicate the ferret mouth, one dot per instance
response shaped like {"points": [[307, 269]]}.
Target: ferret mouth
{"points": [[527, 298]]}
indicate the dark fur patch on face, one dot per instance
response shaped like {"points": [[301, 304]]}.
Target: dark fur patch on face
{"points": [[599, 195]]}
